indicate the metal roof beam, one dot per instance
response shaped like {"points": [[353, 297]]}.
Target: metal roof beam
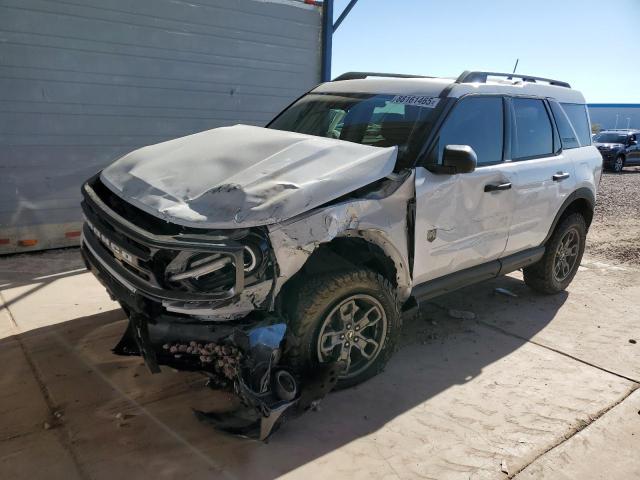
{"points": [[344, 14]]}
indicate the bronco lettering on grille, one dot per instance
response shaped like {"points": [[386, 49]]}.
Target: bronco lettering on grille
{"points": [[117, 251]]}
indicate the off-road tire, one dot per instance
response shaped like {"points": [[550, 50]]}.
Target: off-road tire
{"points": [[540, 276], [307, 305]]}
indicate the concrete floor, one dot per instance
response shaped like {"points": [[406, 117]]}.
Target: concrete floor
{"points": [[542, 387]]}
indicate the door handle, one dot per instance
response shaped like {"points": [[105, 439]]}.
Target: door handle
{"points": [[558, 177], [493, 187]]}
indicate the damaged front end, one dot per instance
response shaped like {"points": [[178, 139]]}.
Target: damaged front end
{"points": [[198, 303], [245, 359], [196, 239]]}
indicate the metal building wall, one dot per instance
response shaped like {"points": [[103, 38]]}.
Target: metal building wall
{"points": [[615, 115], [84, 81]]}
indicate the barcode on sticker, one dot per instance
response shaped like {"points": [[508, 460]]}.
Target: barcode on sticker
{"points": [[416, 100]]}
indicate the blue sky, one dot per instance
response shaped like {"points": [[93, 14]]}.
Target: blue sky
{"points": [[593, 45]]}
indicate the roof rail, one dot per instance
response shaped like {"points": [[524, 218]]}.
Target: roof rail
{"points": [[360, 75], [481, 77]]}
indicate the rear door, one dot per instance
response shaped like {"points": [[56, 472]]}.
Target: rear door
{"points": [[460, 221], [544, 175]]}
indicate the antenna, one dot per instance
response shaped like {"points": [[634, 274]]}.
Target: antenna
{"points": [[515, 66]]}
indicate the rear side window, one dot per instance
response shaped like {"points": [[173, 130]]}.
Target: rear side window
{"points": [[577, 113], [477, 122], [533, 135], [568, 135]]}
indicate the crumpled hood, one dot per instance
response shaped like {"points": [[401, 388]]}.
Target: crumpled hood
{"points": [[243, 176]]}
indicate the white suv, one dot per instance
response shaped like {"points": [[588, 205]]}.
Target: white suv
{"points": [[366, 195]]}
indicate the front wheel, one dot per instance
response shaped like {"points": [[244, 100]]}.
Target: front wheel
{"points": [[350, 316], [563, 253], [618, 164]]}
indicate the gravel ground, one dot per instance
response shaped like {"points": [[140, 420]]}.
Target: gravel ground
{"points": [[615, 231]]}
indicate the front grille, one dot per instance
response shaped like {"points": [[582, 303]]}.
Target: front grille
{"points": [[150, 260]]}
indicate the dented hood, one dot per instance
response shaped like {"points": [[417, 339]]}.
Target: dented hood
{"points": [[243, 176]]}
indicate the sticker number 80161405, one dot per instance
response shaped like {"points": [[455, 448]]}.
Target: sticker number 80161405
{"points": [[416, 100]]}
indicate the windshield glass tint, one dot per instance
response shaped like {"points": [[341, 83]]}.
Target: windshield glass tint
{"points": [[377, 120], [610, 138]]}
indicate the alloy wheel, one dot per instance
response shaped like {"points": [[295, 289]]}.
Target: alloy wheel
{"points": [[618, 165], [566, 255], [353, 332]]}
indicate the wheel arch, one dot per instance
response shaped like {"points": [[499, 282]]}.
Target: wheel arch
{"points": [[581, 201], [359, 248]]}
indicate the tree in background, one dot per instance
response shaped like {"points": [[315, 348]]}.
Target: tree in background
{"points": [[595, 128]]}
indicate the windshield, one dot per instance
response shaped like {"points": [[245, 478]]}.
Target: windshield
{"points": [[377, 120], [607, 137]]}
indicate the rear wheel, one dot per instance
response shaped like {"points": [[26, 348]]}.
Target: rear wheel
{"points": [[563, 253], [350, 316]]}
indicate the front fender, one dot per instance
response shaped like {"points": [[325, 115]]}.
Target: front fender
{"points": [[379, 221]]}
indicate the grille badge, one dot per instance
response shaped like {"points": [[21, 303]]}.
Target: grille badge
{"points": [[118, 252]]}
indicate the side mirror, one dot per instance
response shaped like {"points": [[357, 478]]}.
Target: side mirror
{"points": [[633, 142], [459, 159]]}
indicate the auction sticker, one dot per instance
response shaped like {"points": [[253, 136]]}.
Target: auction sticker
{"points": [[416, 100]]}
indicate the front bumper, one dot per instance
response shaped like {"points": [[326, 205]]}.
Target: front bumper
{"points": [[124, 250], [135, 262], [608, 157]]}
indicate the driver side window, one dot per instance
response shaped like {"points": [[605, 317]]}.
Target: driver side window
{"points": [[477, 122]]}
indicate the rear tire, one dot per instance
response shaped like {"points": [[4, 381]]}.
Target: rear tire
{"points": [[327, 322], [563, 253]]}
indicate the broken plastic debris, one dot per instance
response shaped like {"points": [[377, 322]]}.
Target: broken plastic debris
{"points": [[506, 292], [503, 467], [462, 314]]}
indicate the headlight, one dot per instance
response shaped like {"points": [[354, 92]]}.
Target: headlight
{"points": [[209, 272], [255, 253]]}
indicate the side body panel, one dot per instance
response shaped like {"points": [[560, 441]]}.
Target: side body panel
{"points": [[537, 197], [633, 152], [587, 163], [458, 224]]}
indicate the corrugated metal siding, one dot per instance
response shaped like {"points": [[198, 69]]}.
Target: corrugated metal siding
{"points": [[615, 115], [85, 81]]}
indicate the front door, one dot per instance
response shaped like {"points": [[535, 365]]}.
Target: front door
{"points": [[463, 220]]}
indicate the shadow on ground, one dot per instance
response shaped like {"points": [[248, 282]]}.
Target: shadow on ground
{"points": [[112, 404]]}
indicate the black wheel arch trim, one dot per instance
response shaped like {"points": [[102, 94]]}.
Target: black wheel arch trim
{"points": [[582, 193]]}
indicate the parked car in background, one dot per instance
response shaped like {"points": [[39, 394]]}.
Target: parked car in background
{"points": [[619, 148]]}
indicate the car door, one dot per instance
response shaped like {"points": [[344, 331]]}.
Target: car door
{"points": [[633, 150], [544, 176], [462, 220]]}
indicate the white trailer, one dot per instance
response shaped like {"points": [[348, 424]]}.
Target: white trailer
{"points": [[84, 81]]}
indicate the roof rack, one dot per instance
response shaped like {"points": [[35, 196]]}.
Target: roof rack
{"points": [[360, 75], [481, 77]]}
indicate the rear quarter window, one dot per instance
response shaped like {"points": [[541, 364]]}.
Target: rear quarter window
{"points": [[568, 135], [579, 118]]}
